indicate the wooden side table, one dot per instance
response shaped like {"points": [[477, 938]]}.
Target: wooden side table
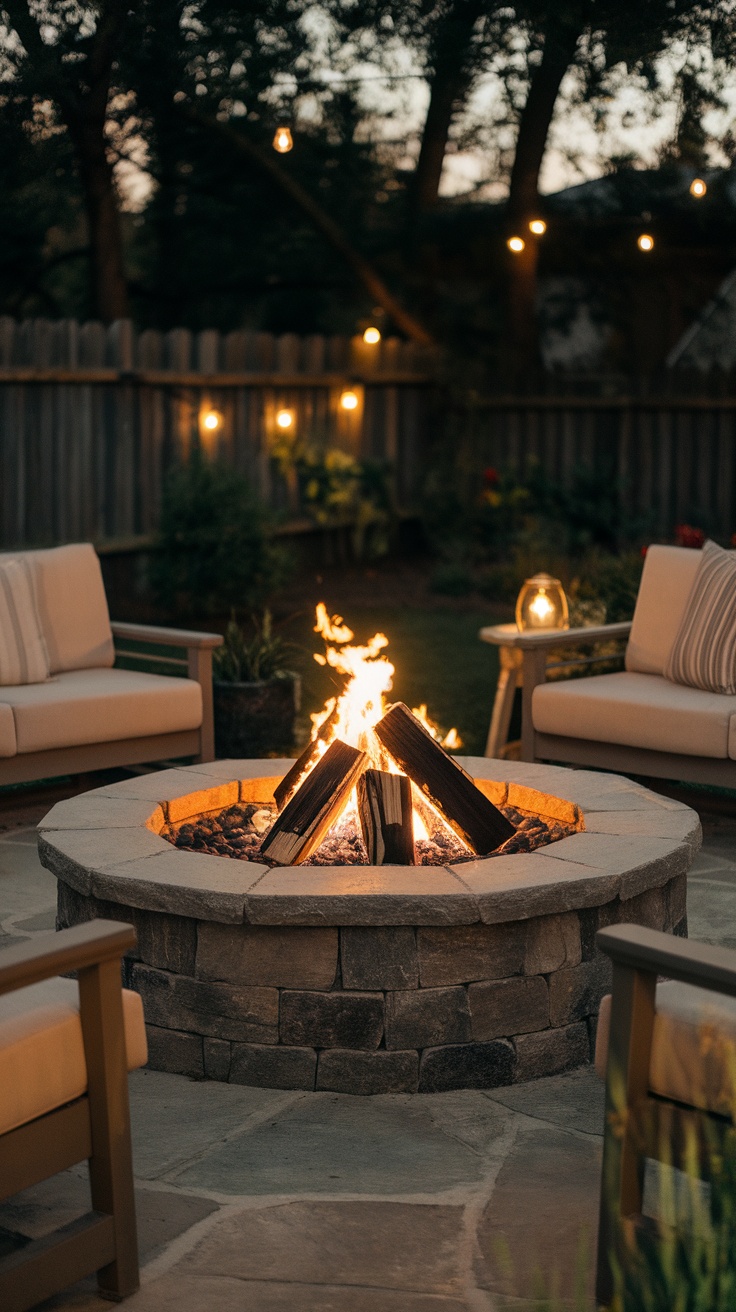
{"points": [[510, 677]]}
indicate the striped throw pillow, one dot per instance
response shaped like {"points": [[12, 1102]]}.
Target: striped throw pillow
{"points": [[704, 651], [23, 656]]}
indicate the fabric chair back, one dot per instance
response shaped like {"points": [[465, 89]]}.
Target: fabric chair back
{"points": [[663, 592], [72, 606]]}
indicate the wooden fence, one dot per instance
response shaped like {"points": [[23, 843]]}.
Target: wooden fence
{"points": [[91, 418], [671, 458]]}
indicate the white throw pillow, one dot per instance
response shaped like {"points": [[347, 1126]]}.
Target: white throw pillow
{"points": [[23, 655], [704, 651]]}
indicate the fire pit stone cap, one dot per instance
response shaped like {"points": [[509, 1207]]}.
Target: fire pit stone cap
{"points": [[106, 843]]}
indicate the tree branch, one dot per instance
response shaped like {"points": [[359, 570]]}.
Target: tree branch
{"points": [[322, 221]]}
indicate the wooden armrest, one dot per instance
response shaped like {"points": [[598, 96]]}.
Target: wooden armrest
{"points": [[167, 637], [530, 641], [662, 954], [56, 954]]}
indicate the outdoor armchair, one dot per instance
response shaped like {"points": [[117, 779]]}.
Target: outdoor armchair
{"points": [[668, 1055], [634, 721], [65, 1050], [92, 713]]}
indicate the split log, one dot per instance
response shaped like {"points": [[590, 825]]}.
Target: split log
{"points": [[283, 791], [386, 817], [450, 788], [315, 806]]}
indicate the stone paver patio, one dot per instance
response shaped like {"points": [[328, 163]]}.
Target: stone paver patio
{"points": [[266, 1200]]}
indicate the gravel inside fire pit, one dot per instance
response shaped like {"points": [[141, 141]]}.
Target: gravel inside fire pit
{"points": [[239, 831]]}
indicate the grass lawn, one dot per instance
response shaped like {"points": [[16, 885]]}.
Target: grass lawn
{"points": [[438, 658]]}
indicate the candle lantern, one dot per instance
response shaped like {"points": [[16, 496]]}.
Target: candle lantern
{"points": [[542, 604]]}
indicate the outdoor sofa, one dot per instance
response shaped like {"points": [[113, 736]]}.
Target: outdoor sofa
{"points": [[90, 713], [634, 721]]}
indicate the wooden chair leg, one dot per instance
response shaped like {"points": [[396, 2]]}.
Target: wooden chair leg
{"points": [[627, 1083], [111, 1163]]}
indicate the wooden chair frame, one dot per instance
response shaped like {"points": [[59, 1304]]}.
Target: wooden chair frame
{"points": [[536, 649], [95, 1126], [637, 1122], [199, 743]]}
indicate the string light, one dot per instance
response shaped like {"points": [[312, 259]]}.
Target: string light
{"points": [[645, 242], [372, 336], [538, 227], [516, 244], [349, 400], [283, 140], [284, 419], [697, 188]]}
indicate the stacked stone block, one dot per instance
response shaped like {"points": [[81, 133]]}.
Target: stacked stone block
{"points": [[377, 1008]]}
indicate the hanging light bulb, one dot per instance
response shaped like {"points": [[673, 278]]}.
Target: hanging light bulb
{"points": [[538, 227], [372, 336], [516, 244], [283, 141], [349, 400], [284, 419], [645, 242], [698, 188]]}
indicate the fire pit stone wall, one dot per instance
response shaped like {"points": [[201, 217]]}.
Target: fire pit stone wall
{"points": [[368, 979]]}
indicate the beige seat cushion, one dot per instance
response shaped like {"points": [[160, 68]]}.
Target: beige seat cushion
{"points": [[663, 594], [72, 606], [636, 710], [693, 1047], [101, 706], [8, 744], [42, 1062]]}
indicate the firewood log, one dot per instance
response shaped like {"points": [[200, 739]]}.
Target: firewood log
{"points": [[450, 789], [283, 791], [386, 817], [315, 806]]}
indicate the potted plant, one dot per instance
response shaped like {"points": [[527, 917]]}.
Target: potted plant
{"points": [[256, 693]]}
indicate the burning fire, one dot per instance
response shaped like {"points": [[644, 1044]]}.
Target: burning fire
{"points": [[354, 712]]}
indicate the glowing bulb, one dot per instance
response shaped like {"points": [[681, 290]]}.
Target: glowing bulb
{"points": [[538, 227], [283, 141], [697, 188], [371, 336], [211, 420], [516, 244], [645, 242], [284, 418], [541, 608], [349, 400]]}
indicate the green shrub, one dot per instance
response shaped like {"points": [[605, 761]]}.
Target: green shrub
{"points": [[261, 657], [214, 550]]}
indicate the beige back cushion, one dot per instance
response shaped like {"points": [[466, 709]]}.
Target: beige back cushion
{"points": [[663, 594], [72, 606]]}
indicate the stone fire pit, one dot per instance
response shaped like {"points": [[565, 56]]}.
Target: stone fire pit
{"points": [[371, 979]]}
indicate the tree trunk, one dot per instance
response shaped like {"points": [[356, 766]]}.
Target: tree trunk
{"points": [[521, 335], [449, 83], [109, 288]]}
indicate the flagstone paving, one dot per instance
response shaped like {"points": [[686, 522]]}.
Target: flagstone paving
{"points": [[256, 1200]]}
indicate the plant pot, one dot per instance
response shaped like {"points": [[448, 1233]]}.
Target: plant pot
{"points": [[256, 719]]}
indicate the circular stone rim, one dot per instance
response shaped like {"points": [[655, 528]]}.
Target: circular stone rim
{"points": [[106, 843]]}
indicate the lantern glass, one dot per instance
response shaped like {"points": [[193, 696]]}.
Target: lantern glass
{"points": [[284, 419], [372, 336], [542, 604], [349, 400]]}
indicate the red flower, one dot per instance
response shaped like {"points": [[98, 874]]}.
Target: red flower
{"points": [[490, 477], [687, 536], [644, 551]]}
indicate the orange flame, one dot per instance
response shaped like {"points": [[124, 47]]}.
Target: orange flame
{"points": [[355, 711]]}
